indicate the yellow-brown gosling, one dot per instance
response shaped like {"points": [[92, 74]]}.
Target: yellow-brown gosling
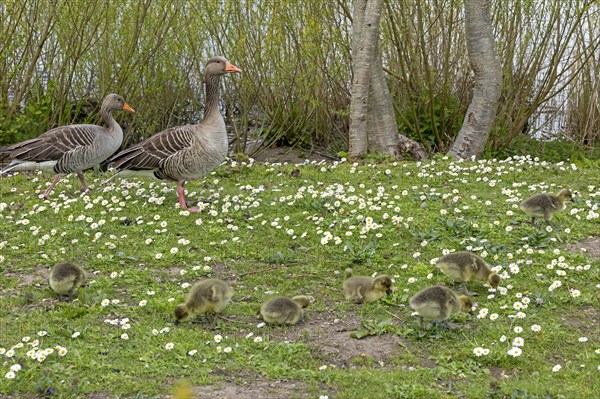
{"points": [[464, 266], [438, 302], [284, 310], [360, 289], [64, 278], [546, 205], [206, 296]]}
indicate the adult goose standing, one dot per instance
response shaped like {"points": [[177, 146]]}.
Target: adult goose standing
{"points": [[71, 148], [183, 153]]}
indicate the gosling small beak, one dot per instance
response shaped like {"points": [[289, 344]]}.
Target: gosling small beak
{"points": [[472, 312], [127, 107], [230, 68], [176, 322], [389, 291]]}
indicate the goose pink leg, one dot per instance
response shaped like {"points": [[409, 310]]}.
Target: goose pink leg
{"points": [[181, 197], [51, 187], [84, 187]]}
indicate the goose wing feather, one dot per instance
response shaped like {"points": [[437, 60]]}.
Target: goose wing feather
{"points": [[54, 144], [150, 153]]}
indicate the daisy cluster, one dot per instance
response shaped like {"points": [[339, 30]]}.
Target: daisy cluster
{"points": [[34, 352]]}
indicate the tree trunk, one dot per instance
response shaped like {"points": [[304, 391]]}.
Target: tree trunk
{"points": [[372, 118], [365, 31], [487, 86], [382, 130]]}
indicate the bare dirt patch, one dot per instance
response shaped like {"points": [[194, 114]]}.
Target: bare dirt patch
{"points": [[252, 388], [329, 339], [585, 321], [590, 246], [37, 277]]}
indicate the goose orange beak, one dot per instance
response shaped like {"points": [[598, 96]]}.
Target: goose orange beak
{"points": [[230, 68], [127, 107]]}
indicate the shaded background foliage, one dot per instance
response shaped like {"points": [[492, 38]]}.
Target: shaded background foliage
{"points": [[58, 59]]}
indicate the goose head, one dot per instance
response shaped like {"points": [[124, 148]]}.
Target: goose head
{"points": [[466, 304], [116, 102], [220, 66], [565, 195], [494, 280], [181, 313], [383, 283]]}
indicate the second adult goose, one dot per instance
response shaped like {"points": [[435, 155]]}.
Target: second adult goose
{"points": [[187, 152], [71, 148]]}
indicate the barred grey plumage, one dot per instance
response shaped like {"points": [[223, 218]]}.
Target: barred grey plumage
{"points": [[187, 152], [71, 148]]}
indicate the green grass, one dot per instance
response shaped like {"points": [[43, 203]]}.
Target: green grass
{"points": [[267, 230]]}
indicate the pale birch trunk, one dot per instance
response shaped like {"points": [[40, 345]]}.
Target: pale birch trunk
{"points": [[364, 33], [487, 68], [372, 119], [382, 130]]}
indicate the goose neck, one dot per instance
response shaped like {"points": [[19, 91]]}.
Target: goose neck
{"points": [[211, 86], [106, 114]]}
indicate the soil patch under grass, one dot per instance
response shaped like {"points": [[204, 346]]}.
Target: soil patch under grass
{"points": [[329, 339], [586, 321], [252, 388], [590, 246]]}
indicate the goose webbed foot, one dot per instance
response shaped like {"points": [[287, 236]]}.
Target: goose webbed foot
{"points": [[193, 209], [182, 202], [449, 326], [466, 291], [64, 298]]}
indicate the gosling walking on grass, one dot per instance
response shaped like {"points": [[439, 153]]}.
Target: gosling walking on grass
{"points": [[65, 278], [360, 289], [206, 296], [284, 310], [546, 205], [464, 266], [438, 303]]}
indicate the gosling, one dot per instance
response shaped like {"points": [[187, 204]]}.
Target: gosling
{"points": [[464, 266], [65, 278], [546, 205], [438, 302], [206, 296], [360, 289], [283, 310]]}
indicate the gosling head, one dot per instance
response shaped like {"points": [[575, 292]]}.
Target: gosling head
{"points": [[181, 313], [494, 280], [302, 300], [565, 195], [466, 304], [383, 283]]}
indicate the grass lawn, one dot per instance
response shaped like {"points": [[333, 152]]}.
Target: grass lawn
{"points": [[294, 229]]}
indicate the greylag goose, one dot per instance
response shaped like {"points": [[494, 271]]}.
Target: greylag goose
{"points": [[359, 289], [438, 303], [206, 296], [71, 148], [546, 205], [284, 310], [66, 277], [183, 153], [464, 266]]}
